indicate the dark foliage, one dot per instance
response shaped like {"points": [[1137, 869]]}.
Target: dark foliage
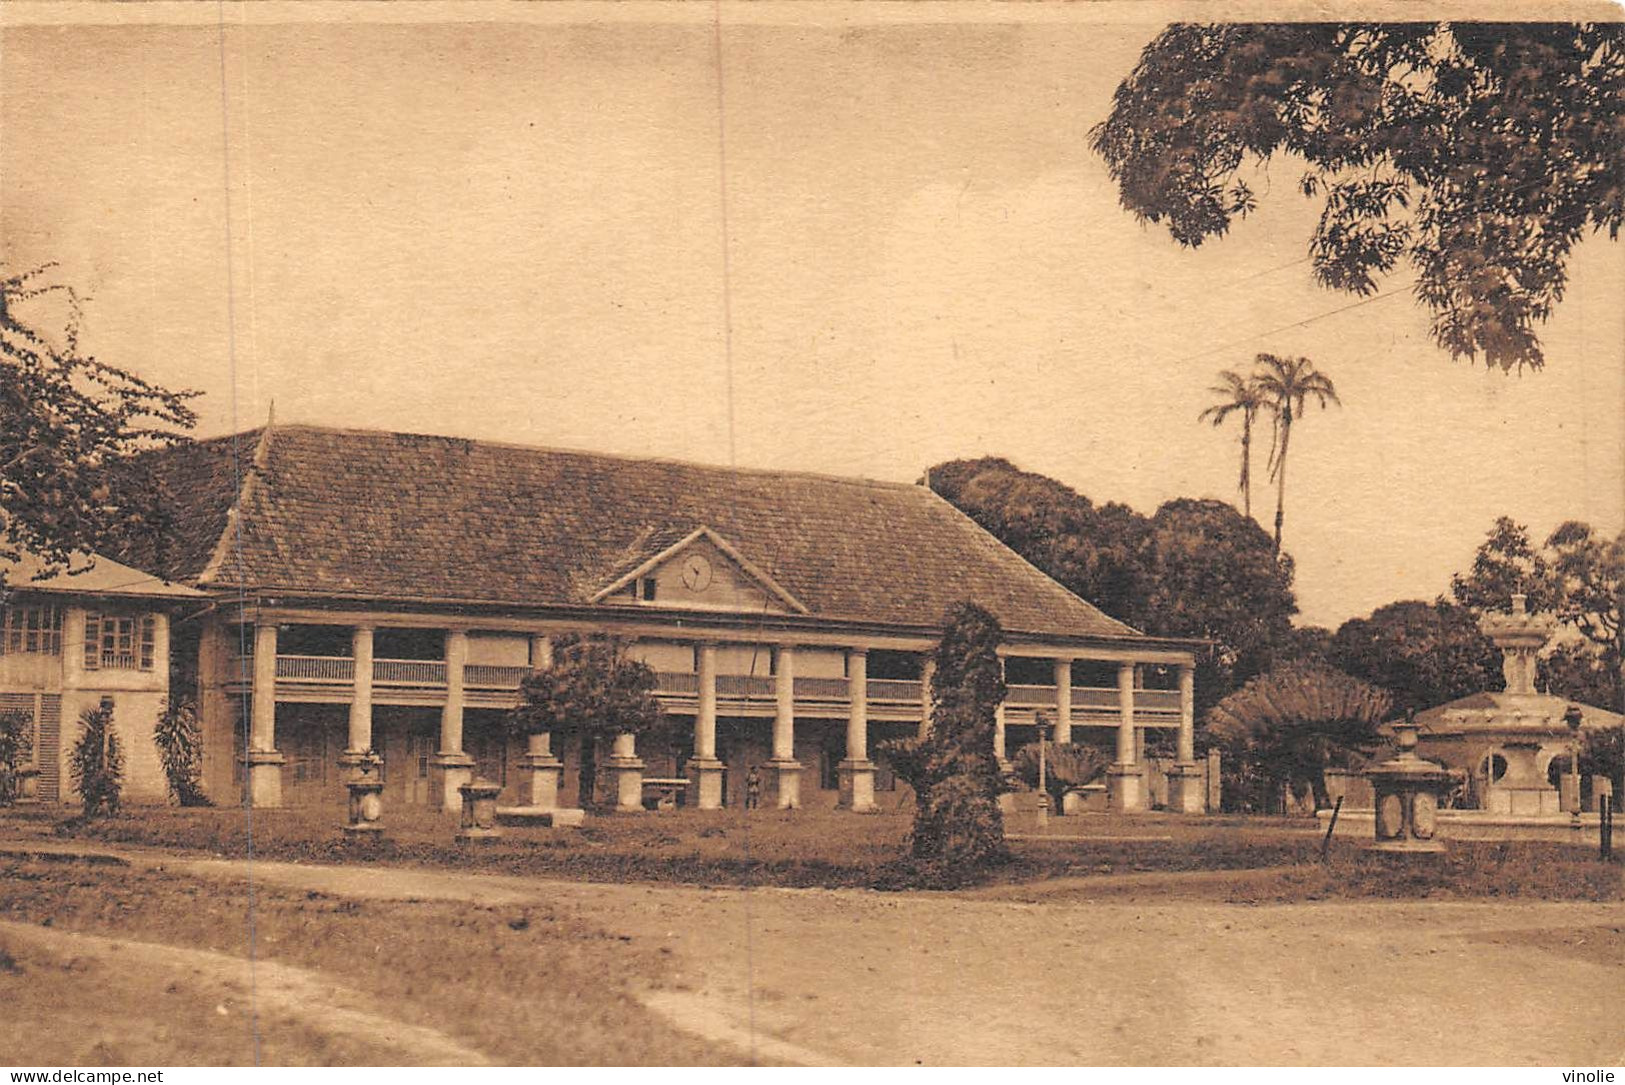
{"points": [[96, 765], [1066, 765], [956, 781], [1424, 654], [593, 690], [1602, 753], [1290, 725], [1197, 568], [70, 429], [1480, 153], [16, 752], [179, 739]]}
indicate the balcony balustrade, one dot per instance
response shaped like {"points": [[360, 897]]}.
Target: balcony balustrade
{"points": [[339, 671], [315, 668], [892, 689], [822, 689], [487, 676], [409, 672]]}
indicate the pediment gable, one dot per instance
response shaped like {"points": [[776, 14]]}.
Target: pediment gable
{"points": [[701, 570]]}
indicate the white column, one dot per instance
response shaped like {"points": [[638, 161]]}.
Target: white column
{"points": [[262, 730], [1125, 710], [1186, 752], [1124, 782], [998, 734], [361, 698], [451, 715], [784, 719], [784, 771], [705, 717], [857, 772], [261, 760], [857, 719], [456, 767], [1063, 700], [628, 773], [1186, 780], [705, 771]]}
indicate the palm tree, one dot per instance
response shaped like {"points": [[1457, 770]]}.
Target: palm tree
{"points": [[1287, 384], [1237, 393]]}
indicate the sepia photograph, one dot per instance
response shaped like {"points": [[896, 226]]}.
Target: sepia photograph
{"points": [[754, 533]]}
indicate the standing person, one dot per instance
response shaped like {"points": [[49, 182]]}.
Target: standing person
{"points": [[753, 789]]}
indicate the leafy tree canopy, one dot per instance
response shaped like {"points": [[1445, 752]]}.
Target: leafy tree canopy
{"points": [[1424, 654], [593, 689], [1479, 152], [69, 427], [1197, 568]]}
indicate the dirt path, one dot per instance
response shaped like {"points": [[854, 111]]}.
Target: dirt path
{"points": [[290, 1007], [859, 977]]}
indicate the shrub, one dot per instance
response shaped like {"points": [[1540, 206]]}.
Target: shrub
{"points": [[953, 772], [1066, 765], [180, 750], [16, 749], [97, 763]]}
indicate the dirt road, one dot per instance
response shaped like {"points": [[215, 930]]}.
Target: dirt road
{"points": [[859, 977]]}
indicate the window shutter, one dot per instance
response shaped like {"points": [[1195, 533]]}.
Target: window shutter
{"points": [[148, 638], [93, 641]]}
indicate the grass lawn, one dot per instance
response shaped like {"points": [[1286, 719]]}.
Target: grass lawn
{"points": [[1272, 859]]}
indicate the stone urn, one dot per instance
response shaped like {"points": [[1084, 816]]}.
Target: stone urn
{"points": [[1407, 791], [479, 822], [366, 787]]}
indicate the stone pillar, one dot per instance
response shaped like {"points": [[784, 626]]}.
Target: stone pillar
{"points": [[704, 770], [453, 767], [545, 771], [857, 772], [784, 771], [627, 769], [261, 760], [928, 672], [1063, 700], [1185, 794], [360, 740], [1125, 785], [998, 738]]}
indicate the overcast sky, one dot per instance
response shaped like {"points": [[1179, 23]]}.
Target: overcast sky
{"points": [[514, 229]]}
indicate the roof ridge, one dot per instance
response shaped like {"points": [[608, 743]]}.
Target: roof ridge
{"points": [[776, 472], [246, 476]]}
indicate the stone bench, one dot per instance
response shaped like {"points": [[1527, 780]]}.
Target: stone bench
{"points": [[662, 792]]}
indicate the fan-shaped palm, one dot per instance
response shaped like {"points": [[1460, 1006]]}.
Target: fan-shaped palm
{"points": [[1287, 384], [1237, 394]]}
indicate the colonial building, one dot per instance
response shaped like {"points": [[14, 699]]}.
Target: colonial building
{"points": [[96, 633], [388, 591]]}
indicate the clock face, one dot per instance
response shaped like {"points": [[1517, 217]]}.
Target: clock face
{"points": [[696, 572]]}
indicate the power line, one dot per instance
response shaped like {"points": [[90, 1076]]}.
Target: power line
{"points": [[1296, 323]]}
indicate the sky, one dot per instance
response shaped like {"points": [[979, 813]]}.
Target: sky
{"points": [[877, 242]]}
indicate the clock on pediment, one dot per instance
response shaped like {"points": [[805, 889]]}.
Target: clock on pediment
{"points": [[696, 572]]}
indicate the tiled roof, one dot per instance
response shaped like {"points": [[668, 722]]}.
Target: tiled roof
{"points": [[415, 518]]}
